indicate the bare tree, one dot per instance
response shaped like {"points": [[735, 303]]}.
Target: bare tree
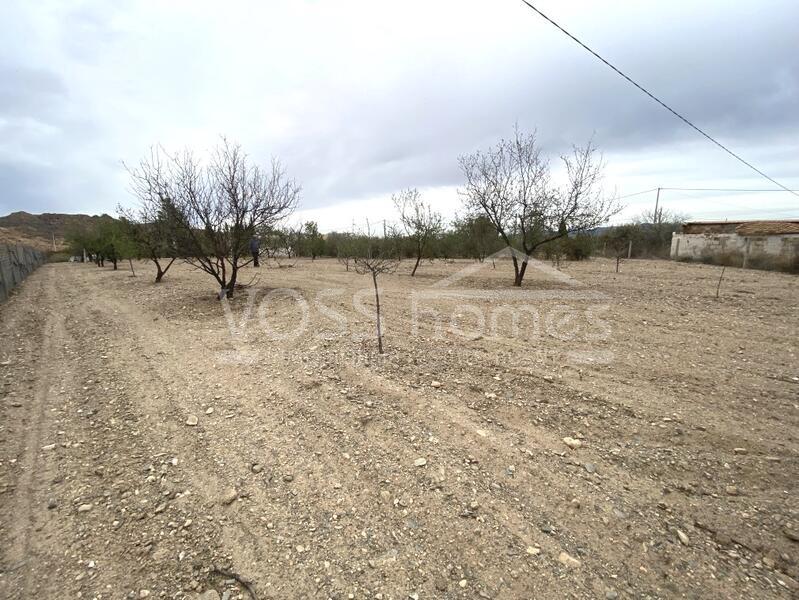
{"points": [[421, 224], [375, 258], [620, 239], [511, 185], [657, 227], [282, 244], [148, 223], [216, 208], [346, 249]]}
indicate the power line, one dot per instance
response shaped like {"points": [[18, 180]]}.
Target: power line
{"points": [[637, 194], [683, 197], [724, 190], [681, 189], [717, 200], [663, 104]]}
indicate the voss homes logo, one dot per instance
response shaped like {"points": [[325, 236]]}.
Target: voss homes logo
{"points": [[555, 317], [559, 318]]}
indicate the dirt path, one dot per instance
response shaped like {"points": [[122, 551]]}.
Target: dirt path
{"points": [[31, 467], [303, 473]]}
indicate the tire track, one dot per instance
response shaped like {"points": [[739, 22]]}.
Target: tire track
{"points": [[33, 468]]}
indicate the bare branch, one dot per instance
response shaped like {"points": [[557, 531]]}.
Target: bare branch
{"points": [[420, 222], [510, 184], [215, 209]]}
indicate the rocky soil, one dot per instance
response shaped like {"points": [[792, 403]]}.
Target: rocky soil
{"points": [[600, 435]]}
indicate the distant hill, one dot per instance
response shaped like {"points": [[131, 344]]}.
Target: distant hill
{"points": [[38, 231]]}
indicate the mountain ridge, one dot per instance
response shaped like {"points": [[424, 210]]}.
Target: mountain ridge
{"points": [[44, 231]]}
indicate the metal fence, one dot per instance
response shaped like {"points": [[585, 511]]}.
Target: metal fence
{"points": [[16, 263]]}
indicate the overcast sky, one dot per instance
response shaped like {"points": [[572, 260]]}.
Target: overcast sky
{"points": [[360, 99]]}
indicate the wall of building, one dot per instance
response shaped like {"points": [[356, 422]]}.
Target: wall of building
{"points": [[779, 252], [16, 263]]}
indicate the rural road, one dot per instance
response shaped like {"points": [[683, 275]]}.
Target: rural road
{"points": [[147, 451]]}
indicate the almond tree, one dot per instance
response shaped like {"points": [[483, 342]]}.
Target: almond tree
{"points": [[510, 184], [421, 224], [282, 243], [620, 240], [375, 258], [216, 208], [148, 223], [346, 248]]}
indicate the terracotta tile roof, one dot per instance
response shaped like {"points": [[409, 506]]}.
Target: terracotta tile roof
{"points": [[743, 227], [767, 228], [710, 226]]}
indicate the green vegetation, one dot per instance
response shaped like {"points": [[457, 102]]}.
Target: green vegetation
{"points": [[221, 212], [106, 239]]}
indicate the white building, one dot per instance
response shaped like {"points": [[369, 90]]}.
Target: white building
{"points": [[755, 244]]}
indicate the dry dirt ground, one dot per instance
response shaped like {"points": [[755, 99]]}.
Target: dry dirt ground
{"points": [[151, 446]]}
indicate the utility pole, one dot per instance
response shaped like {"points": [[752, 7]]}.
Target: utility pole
{"points": [[656, 218]]}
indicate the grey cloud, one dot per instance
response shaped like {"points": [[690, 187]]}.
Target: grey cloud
{"points": [[25, 188], [743, 94], [29, 90], [402, 122]]}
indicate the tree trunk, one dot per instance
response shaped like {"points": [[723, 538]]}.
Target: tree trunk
{"points": [[377, 304], [231, 285], [518, 272], [130, 262], [114, 260], [416, 266], [161, 272], [516, 280], [718, 287]]}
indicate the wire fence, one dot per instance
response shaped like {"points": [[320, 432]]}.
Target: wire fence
{"points": [[16, 263]]}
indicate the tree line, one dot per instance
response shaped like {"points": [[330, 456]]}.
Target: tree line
{"points": [[222, 212]]}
